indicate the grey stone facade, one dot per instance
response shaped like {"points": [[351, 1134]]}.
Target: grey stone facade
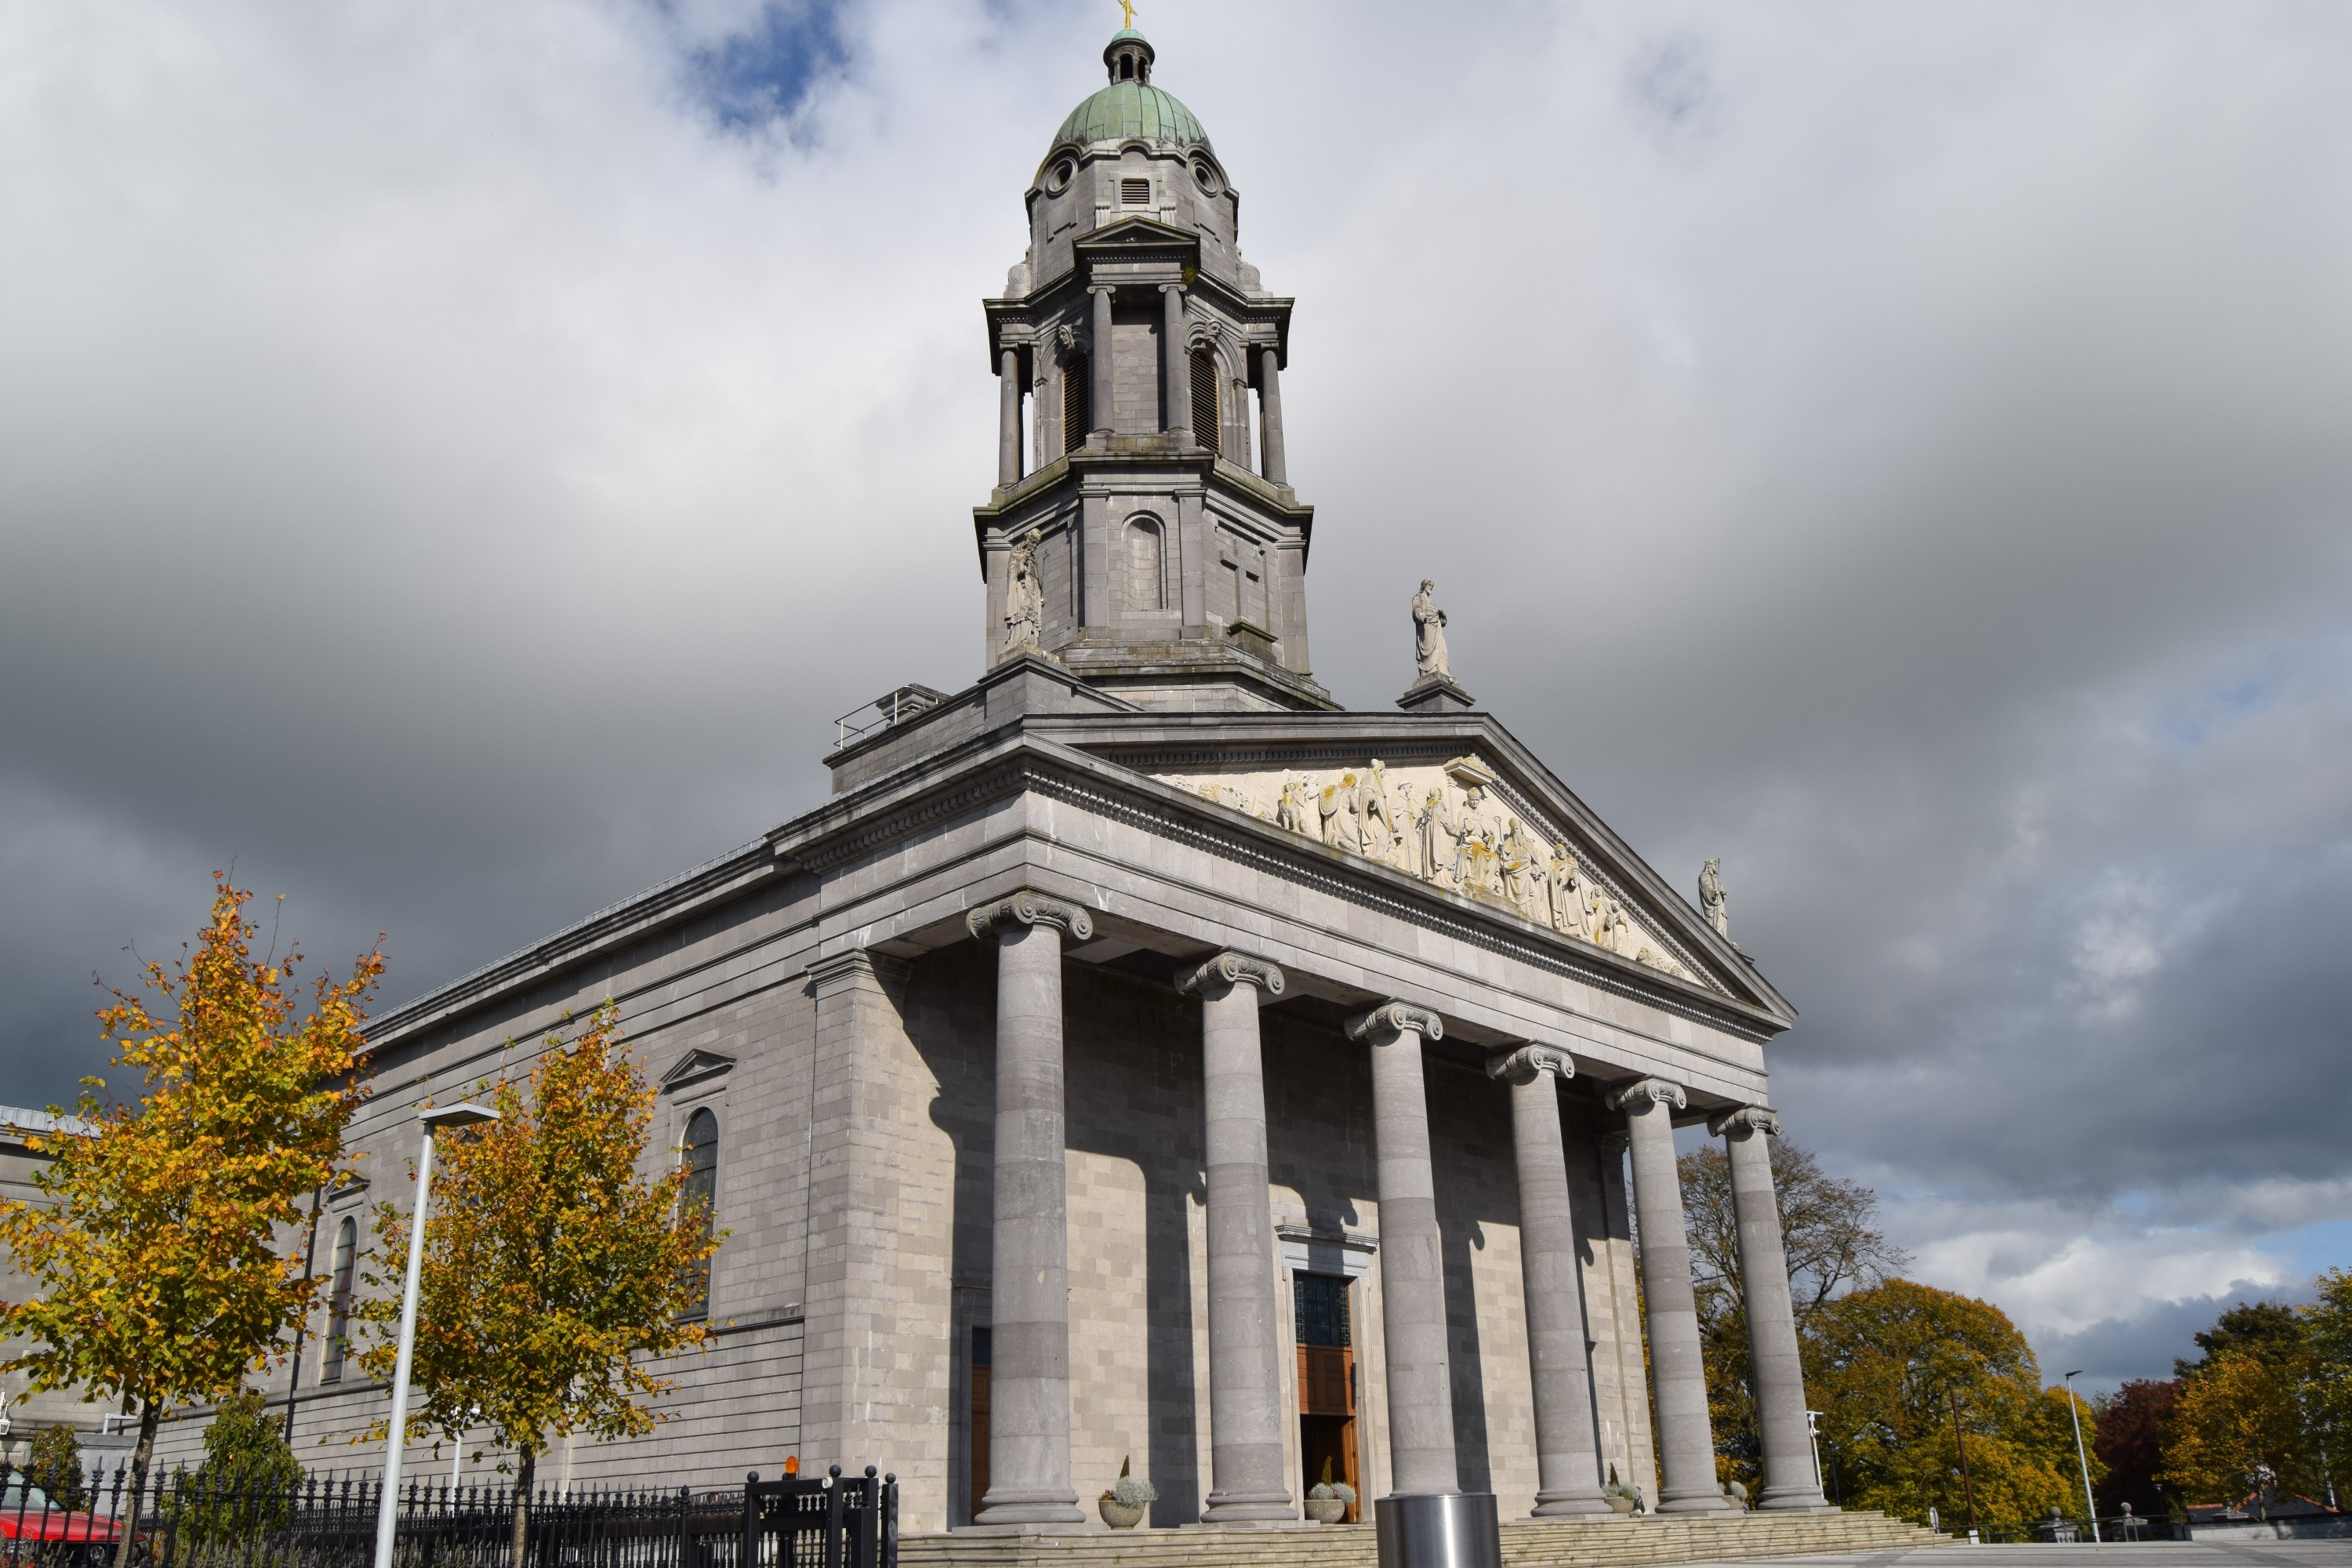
{"points": [[956, 1014]]}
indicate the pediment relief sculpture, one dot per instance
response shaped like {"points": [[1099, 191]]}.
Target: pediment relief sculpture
{"points": [[1444, 824]]}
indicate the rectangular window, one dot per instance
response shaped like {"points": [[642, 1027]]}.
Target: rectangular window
{"points": [[1319, 1302], [1135, 193]]}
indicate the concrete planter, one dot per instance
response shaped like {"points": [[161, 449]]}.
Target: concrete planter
{"points": [[1620, 1504], [1118, 1515], [1327, 1510]]}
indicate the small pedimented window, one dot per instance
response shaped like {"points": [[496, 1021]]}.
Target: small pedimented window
{"points": [[340, 1281]]}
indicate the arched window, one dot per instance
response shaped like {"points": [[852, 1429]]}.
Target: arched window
{"points": [[339, 1299], [1205, 428], [1078, 403], [698, 1193], [1147, 556]]}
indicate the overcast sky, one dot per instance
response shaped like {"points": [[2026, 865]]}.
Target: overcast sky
{"points": [[454, 460]]}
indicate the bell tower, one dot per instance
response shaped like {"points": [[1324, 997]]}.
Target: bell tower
{"points": [[1143, 532]]}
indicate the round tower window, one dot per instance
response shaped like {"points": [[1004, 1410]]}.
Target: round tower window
{"points": [[1058, 178], [1204, 175]]}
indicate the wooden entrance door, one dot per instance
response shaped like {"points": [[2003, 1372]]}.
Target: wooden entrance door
{"points": [[1327, 1380]]}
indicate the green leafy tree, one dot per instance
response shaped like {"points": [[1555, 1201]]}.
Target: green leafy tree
{"points": [[2328, 1338], [243, 1489], [2270, 1330], [553, 1267], [55, 1466], [1886, 1365], [1830, 1229], [155, 1259]]}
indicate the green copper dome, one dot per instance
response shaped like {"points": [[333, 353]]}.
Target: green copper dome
{"points": [[1132, 108]]}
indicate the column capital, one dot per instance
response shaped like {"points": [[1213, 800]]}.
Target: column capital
{"points": [[1529, 1063], [1233, 968], [1656, 1090], [1102, 287], [1029, 907], [1746, 1120], [1386, 1022], [1171, 288]]}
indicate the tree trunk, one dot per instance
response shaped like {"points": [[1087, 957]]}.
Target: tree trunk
{"points": [[142, 1456], [525, 1467]]}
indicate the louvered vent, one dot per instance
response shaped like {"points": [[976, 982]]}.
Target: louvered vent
{"points": [[1077, 406], [1204, 400], [1135, 193]]}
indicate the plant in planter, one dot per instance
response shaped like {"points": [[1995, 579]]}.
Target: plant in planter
{"points": [[1122, 1504], [1328, 1502], [1621, 1498]]}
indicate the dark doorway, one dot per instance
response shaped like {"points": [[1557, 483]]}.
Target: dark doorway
{"points": [[1326, 1382]]}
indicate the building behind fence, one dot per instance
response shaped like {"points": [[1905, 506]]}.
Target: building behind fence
{"points": [[192, 1519]]}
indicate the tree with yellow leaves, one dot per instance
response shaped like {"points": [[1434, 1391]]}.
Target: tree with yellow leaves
{"points": [[552, 1265], [155, 1258], [1891, 1365], [2239, 1415]]}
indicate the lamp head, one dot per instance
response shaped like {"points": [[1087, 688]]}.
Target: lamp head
{"points": [[449, 1117]]}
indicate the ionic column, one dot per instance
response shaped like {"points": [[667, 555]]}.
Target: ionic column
{"points": [[1567, 1464], [1413, 1268], [1029, 1289], [1277, 470], [1776, 1370], [1008, 414], [1175, 364], [1248, 1483], [1099, 357], [1677, 1373]]}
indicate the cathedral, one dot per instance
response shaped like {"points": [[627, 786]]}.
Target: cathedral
{"points": [[1141, 1059]]}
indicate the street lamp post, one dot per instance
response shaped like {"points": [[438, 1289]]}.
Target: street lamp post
{"points": [[387, 1519], [2090, 1507]]}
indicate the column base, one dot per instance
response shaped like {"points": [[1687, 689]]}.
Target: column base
{"points": [[1572, 1505], [1027, 1509], [1072, 1527], [1796, 1499], [1695, 1502], [1251, 1508]]}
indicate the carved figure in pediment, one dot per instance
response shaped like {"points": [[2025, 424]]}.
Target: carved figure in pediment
{"points": [[1341, 814], [1292, 812], [1373, 806], [1475, 863], [1236, 797], [1024, 596], [1428, 632], [1433, 833], [1711, 898], [1572, 906], [1515, 858], [1615, 933]]}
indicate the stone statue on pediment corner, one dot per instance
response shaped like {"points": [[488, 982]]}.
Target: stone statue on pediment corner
{"points": [[1712, 900], [1429, 633]]}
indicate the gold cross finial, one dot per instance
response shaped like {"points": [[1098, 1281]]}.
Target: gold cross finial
{"points": [[1127, 9]]}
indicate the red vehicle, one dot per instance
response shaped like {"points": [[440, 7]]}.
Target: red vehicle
{"points": [[35, 1529]]}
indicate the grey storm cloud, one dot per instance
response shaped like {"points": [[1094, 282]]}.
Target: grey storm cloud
{"points": [[455, 462]]}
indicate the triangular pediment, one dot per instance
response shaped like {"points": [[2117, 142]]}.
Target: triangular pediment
{"points": [[1136, 231], [693, 1067], [1460, 807]]}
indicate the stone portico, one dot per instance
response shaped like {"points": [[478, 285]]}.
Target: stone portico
{"points": [[1139, 1056]]}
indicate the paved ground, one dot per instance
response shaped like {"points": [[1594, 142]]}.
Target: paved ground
{"points": [[2151, 1554]]}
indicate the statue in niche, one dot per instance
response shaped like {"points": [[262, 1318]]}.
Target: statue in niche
{"points": [[1291, 812], [1515, 858], [1572, 913], [1372, 805], [1429, 633], [1433, 827], [1711, 899], [1024, 597]]}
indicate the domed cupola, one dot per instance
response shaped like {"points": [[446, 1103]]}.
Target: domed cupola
{"points": [[1130, 108]]}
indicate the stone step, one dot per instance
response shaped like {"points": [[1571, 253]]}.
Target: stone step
{"points": [[1526, 1544]]}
